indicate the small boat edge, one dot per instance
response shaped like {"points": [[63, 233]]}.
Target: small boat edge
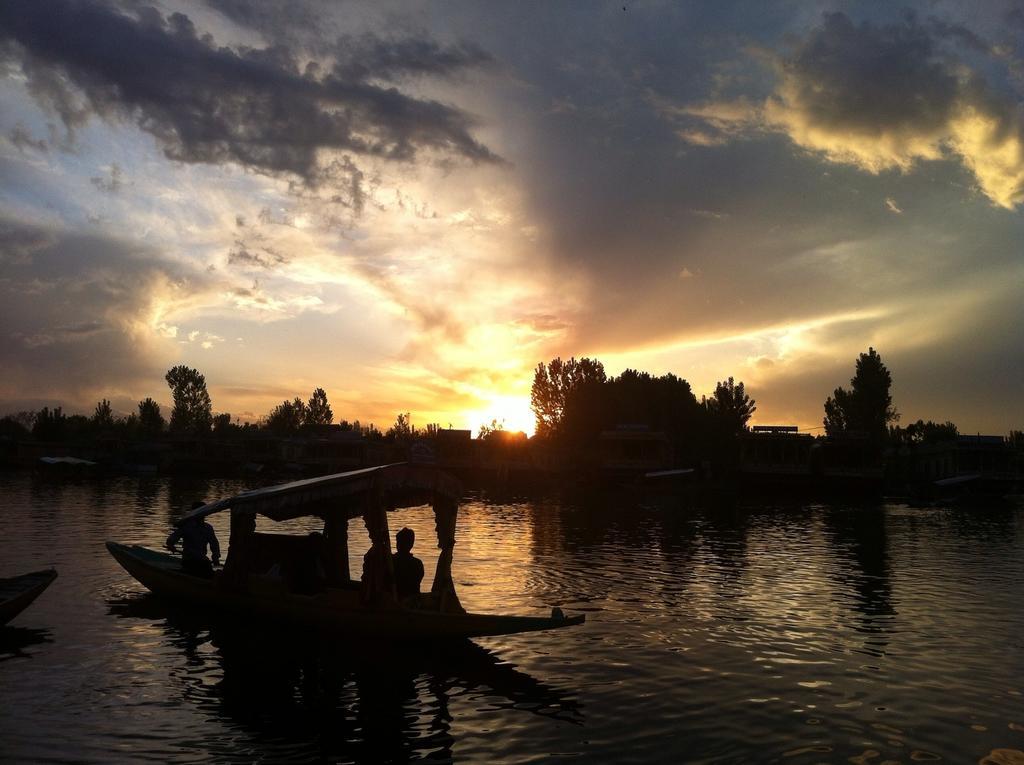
{"points": [[13, 605], [142, 563]]}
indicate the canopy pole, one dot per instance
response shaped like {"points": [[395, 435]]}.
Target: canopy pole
{"points": [[241, 543], [378, 570], [446, 512], [336, 531]]}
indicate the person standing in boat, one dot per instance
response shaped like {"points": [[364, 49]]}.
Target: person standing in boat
{"points": [[408, 568], [195, 535]]}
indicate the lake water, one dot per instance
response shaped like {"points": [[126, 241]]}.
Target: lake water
{"points": [[716, 632]]}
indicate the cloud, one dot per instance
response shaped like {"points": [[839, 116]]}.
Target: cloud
{"points": [[204, 103], [112, 183], [244, 256], [891, 206], [23, 140], [882, 97], [369, 57], [83, 314]]}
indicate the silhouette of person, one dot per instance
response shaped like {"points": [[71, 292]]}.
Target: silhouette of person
{"points": [[408, 568], [195, 534]]}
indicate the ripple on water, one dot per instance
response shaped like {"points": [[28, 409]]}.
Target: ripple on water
{"points": [[860, 634]]}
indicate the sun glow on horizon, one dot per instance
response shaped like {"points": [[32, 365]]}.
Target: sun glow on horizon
{"points": [[512, 412]]}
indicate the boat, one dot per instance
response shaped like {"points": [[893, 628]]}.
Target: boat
{"points": [[17, 592], [304, 580]]}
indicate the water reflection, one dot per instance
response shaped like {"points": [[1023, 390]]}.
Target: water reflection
{"points": [[182, 491], [859, 538], [735, 631], [14, 641], [320, 697]]}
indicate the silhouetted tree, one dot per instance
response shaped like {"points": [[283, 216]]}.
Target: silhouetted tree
{"points": [[128, 426], [554, 383], [402, 430], [431, 429], [922, 432], [865, 408], [103, 417], [489, 431], [286, 417], [49, 425], [192, 412], [151, 422], [78, 427], [318, 411], [25, 418], [665, 404], [11, 428], [222, 423], [731, 405]]}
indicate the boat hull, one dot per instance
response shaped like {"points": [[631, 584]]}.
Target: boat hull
{"points": [[17, 593], [335, 610]]}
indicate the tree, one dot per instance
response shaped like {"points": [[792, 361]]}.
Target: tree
{"points": [[151, 422], [922, 432], [286, 417], [554, 383], [103, 417], [402, 430], [222, 423], [24, 418], [491, 431], [12, 428], [192, 412], [49, 425], [318, 411], [867, 407], [731, 405]]}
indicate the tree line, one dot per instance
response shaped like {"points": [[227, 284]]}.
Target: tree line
{"points": [[575, 400], [191, 415]]}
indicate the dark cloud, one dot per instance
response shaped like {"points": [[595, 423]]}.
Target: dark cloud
{"points": [[365, 57], [255, 257], [112, 182], [18, 243], [255, 107], [22, 139], [77, 312], [885, 96], [273, 20], [370, 57], [872, 79]]}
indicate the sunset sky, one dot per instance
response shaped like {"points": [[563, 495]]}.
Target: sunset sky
{"points": [[411, 205]]}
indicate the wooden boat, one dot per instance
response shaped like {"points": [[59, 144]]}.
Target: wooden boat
{"points": [[305, 581], [18, 592]]}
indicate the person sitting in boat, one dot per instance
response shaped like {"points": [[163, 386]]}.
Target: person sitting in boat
{"points": [[195, 535], [408, 568]]}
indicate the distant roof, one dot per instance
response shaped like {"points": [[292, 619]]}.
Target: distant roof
{"points": [[401, 484], [980, 439]]}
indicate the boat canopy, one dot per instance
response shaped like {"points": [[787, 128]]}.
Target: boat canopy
{"points": [[342, 495]]}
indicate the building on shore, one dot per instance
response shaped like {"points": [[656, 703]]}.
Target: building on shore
{"points": [[977, 465], [780, 457], [630, 450]]}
